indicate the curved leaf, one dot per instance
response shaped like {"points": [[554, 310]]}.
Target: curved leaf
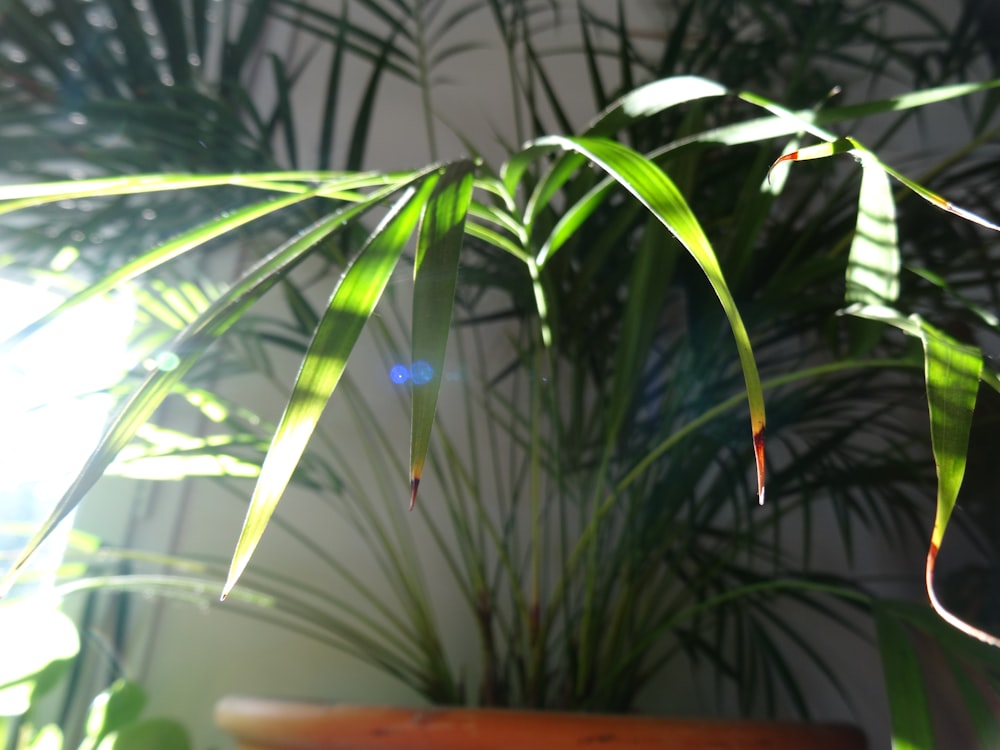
{"points": [[657, 192], [851, 146], [349, 308], [873, 263], [186, 348], [435, 277], [651, 99], [952, 371]]}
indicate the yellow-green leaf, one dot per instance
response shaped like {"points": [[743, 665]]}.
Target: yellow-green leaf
{"points": [[657, 192], [873, 263], [187, 347], [435, 277], [347, 312], [952, 370]]}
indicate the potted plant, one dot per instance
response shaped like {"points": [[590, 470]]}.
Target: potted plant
{"points": [[607, 470]]}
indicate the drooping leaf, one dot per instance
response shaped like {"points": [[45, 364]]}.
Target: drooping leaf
{"points": [[651, 99], [952, 371], [873, 263], [347, 312], [435, 278], [186, 348], [869, 159], [653, 189]]}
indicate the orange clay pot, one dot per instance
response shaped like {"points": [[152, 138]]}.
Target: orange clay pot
{"points": [[277, 725]]}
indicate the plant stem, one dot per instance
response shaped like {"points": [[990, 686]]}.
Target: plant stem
{"points": [[423, 79]]}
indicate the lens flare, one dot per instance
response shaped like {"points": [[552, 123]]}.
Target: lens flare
{"points": [[422, 372]]}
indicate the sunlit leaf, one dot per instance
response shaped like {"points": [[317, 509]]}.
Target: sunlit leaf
{"points": [[349, 308], [114, 708], [952, 371], [869, 159], [651, 187], [652, 99], [435, 278], [43, 634], [186, 348], [873, 263]]}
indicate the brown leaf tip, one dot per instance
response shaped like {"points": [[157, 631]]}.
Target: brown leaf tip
{"points": [[414, 485], [758, 449], [793, 156]]}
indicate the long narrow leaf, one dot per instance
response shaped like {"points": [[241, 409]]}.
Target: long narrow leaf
{"points": [[953, 371], [435, 279], [348, 311], [873, 263], [187, 347], [159, 255], [657, 192], [851, 146], [652, 99]]}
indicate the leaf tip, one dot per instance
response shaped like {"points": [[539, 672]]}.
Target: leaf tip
{"points": [[414, 485], [235, 571], [953, 620], [758, 449], [791, 156]]}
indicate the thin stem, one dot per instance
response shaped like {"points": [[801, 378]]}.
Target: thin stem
{"points": [[423, 78]]}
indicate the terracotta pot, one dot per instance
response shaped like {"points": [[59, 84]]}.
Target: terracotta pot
{"points": [[276, 725]]}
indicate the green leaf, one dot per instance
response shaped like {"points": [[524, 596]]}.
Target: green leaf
{"points": [[873, 263], [49, 737], [348, 310], [150, 734], [435, 277], [333, 87], [657, 192], [114, 708], [159, 255], [908, 706], [869, 159], [362, 120], [17, 197], [952, 371], [652, 99], [186, 348], [786, 122]]}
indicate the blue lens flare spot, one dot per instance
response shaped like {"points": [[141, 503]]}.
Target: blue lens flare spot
{"points": [[164, 361], [399, 374], [422, 372]]}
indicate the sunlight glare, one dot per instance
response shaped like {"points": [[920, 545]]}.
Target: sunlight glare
{"points": [[52, 412]]}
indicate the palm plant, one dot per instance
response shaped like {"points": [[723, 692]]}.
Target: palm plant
{"points": [[614, 529]]}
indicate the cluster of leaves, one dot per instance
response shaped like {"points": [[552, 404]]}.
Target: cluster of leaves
{"points": [[626, 464]]}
